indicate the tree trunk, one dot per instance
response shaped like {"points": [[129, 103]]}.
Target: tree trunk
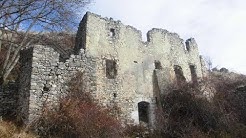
{"points": [[10, 68]]}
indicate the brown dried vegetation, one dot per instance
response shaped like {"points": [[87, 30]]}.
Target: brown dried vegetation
{"points": [[185, 114], [9, 130], [78, 116]]}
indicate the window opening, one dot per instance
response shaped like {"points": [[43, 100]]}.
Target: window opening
{"points": [[179, 74], [112, 32], [111, 70], [157, 64], [143, 112], [46, 88], [193, 73], [187, 45], [115, 95]]}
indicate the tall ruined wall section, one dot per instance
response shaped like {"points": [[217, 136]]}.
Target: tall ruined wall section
{"points": [[107, 39], [111, 40]]}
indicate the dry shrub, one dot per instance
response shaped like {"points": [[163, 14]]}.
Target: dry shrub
{"points": [[64, 40], [231, 95], [140, 131], [78, 116], [230, 99], [185, 114], [134, 131], [9, 130], [78, 119]]}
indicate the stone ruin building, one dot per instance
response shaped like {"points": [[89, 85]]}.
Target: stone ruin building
{"points": [[118, 68]]}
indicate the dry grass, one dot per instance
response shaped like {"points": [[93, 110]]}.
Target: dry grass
{"points": [[9, 130]]}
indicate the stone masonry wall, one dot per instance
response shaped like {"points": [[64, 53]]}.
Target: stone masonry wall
{"points": [[135, 59], [136, 75], [8, 100], [49, 78]]}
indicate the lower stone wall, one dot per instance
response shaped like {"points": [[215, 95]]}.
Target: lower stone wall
{"points": [[8, 101], [44, 79]]}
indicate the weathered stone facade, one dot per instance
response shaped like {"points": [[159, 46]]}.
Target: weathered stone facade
{"points": [[118, 67]]}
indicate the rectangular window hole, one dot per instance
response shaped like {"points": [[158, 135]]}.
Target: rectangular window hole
{"points": [[193, 73], [112, 32], [179, 74], [111, 70], [157, 64]]}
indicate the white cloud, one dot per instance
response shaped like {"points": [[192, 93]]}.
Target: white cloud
{"points": [[219, 26]]}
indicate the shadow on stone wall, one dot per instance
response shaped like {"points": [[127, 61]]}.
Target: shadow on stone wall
{"points": [[8, 101]]}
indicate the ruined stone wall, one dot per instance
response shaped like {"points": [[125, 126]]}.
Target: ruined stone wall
{"points": [[49, 78], [140, 71], [135, 60]]}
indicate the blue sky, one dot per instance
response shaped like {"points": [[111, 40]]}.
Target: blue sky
{"points": [[219, 26]]}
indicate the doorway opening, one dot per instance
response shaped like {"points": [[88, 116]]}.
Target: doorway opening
{"points": [[143, 112]]}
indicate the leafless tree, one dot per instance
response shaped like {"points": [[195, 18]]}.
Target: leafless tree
{"points": [[209, 63], [21, 19]]}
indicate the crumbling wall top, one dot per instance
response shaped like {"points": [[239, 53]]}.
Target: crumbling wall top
{"points": [[150, 34]]}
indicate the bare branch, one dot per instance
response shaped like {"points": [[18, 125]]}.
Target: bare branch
{"points": [[19, 18]]}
